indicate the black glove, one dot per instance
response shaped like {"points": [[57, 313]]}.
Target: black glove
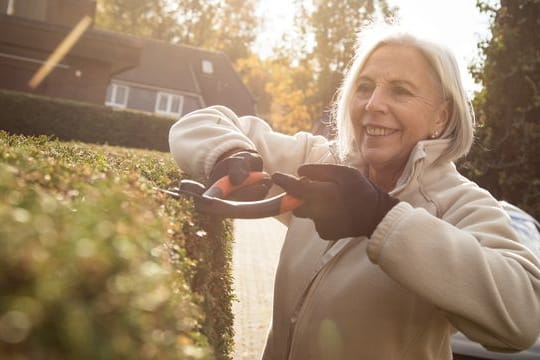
{"points": [[339, 199], [238, 165]]}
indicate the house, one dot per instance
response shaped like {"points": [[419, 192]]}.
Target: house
{"points": [[31, 30], [118, 70], [177, 79]]}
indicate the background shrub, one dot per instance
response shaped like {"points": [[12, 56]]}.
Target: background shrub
{"points": [[28, 114], [95, 264], [505, 159]]}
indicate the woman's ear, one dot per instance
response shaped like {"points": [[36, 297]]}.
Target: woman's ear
{"points": [[443, 114]]}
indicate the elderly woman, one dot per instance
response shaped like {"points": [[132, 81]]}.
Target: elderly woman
{"points": [[392, 250]]}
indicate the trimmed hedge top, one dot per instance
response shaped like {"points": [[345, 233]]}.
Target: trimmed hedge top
{"points": [[95, 264]]}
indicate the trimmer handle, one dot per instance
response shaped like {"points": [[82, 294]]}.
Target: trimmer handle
{"points": [[213, 200]]}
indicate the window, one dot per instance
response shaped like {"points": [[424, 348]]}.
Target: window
{"points": [[169, 104], [117, 95], [207, 67]]}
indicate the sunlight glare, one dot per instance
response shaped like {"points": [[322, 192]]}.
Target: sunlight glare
{"points": [[278, 19], [458, 24]]}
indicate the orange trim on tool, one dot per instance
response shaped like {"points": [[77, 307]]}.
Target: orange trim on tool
{"points": [[222, 188], [288, 203], [226, 187]]}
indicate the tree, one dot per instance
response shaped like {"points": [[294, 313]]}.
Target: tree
{"points": [[289, 112], [506, 159], [224, 25], [255, 74], [154, 19], [273, 83], [236, 28], [331, 27]]}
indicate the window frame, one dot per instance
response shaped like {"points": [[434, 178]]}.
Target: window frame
{"points": [[170, 99], [113, 102]]}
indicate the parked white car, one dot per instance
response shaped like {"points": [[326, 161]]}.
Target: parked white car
{"points": [[528, 230]]}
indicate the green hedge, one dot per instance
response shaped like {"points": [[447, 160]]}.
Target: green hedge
{"points": [[95, 264], [69, 120]]}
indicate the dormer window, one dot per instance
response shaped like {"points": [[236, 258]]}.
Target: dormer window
{"points": [[207, 67]]}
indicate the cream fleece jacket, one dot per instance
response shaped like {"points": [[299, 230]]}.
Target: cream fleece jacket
{"points": [[444, 258]]}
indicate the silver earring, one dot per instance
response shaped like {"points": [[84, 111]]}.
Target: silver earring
{"points": [[435, 134]]}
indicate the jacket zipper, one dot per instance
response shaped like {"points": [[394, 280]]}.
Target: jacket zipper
{"points": [[302, 301]]}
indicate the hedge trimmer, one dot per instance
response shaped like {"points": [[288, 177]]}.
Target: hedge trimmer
{"points": [[213, 200]]}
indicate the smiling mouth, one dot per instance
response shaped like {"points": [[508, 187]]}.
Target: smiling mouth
{"points": [[379, 131]]}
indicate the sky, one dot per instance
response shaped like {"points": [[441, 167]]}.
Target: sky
{"points": [[456, 23]]}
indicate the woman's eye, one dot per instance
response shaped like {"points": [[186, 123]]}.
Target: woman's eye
{"points": [[400, 90], [364, 88]]}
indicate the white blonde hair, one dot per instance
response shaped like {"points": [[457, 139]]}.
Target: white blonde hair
{"points": [[460, 126]]}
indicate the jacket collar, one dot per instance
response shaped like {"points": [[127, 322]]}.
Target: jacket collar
{"points": [[423, 155]]}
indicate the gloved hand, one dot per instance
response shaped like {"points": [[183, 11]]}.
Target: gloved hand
{"points": [[339, 199], [238, 164]]}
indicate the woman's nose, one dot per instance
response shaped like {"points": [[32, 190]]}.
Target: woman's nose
{"points": [[377, 101]]}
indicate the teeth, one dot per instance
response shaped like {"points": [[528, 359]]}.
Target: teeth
{"points": [[378, 131]]}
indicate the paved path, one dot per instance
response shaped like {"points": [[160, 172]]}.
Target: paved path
{"points": [[255, 255]]}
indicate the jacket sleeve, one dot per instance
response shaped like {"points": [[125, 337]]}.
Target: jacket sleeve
{"points": [[199, 138], [469, 264]]}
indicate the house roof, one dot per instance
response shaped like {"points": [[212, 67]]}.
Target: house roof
{"points": [[25, 34], [179, 68]]}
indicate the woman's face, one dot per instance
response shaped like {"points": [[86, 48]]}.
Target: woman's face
{"points": [[397, 103]]}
